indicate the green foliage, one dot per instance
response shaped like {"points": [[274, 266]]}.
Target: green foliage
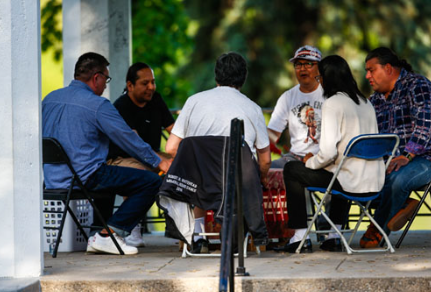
{"points": [[267, 33], [181, 39], [262, 31], [51, 29], [160, 39], [52, 65], [352, 28]]}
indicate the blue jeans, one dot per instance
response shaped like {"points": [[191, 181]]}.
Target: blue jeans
{"points": [[285, 158], [398, 186], [140, 186]]}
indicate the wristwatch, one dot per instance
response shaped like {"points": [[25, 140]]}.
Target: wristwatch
{"points": [[408, 155]]}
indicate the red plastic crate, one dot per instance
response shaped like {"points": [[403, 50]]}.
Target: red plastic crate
{"points": [[274, 206]]}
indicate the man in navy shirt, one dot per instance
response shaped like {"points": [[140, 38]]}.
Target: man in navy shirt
{"points": [[84, 123]]}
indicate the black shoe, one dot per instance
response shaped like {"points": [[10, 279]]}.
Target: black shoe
{"points": [[200, 246], [261, 241], [333, 244], [291, 247]]}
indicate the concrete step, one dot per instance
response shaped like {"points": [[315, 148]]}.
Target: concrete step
{"points": [[19, 285], [159, 267]]}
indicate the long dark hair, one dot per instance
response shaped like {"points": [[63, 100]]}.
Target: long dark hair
{"points": [[387, 56], [337, 77]]}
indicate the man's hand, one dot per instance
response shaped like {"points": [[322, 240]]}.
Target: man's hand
{"points": [[397, 163], [274, 149], [307, 156], [264, 161], [264, 181], [165, 163]]}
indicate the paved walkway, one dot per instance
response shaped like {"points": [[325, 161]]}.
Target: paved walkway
{"points": [[159, 267]]}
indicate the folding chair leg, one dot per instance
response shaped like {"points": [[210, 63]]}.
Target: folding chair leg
{"points": [[310, 225], [400, 240], [186, 252], [388, 242], [346, 244], [310, 210], [425, 203], [358, 223], [349, 250]]}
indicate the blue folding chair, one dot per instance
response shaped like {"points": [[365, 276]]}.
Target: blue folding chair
{"points": [[369, 147]]}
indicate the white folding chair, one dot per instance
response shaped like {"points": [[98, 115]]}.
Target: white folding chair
{"points": [[369, 147]]}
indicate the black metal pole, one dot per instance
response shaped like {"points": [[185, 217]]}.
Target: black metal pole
{"points": [[227, 262], [240, 270]]}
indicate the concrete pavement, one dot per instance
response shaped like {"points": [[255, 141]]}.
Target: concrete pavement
{"points": [[159, 267]]}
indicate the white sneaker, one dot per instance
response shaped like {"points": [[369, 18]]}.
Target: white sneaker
{"points": [[90, 248], [135, 237], [106, 245]]}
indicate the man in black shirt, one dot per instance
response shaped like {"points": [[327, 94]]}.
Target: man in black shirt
{"points": [[147, 114], [144, 111]]}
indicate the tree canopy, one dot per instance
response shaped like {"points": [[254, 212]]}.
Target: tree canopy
{"points": [[160, 39], [267, 33], [181, 39]]}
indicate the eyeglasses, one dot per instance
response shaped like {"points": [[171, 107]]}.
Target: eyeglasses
{"points": [[318, 78], [108, 79], [307, 65]]}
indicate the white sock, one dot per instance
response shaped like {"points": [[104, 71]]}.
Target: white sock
{"points": [[199, 227], [334, 234], [136, 231], [299, 234]]}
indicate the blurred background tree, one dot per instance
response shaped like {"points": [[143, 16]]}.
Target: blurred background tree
{"points": [[267, 33], [181, 39], [160, 39], [51, 43]]}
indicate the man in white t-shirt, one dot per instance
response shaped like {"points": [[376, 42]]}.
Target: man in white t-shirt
{"points": [[299, 109], [209, 113]]}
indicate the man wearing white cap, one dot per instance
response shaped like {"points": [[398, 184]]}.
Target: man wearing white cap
{"points": [[299, 108]]}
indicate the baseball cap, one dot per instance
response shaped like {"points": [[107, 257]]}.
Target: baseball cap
{"points": [[307, 53]]}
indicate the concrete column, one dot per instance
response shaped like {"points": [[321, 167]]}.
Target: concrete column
{"points": [[20, 143], [101, 26]]}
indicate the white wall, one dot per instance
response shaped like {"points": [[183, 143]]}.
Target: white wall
{"points": [[100, 26], [20, 155]]}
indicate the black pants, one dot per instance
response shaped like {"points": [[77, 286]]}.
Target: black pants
{"points": [[296, 178]]}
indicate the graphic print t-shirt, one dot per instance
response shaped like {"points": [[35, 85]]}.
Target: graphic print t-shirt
{"points": [[302, 113]]}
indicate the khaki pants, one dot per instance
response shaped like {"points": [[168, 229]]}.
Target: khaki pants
{"points": [[128, 162]]}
